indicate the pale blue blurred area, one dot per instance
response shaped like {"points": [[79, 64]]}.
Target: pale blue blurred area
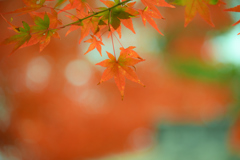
{"points": [[226, 47], [186, 142]]}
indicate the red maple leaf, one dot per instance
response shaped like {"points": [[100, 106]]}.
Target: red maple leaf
{"points": [[121, 68], [95, 44]]}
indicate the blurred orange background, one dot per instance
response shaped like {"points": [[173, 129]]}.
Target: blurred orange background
{"points": [[52, 107]]}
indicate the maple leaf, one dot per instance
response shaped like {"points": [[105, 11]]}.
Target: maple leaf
{"points": [[95, 44], [41, 33], [109, 3], [234, 9], [21, 38], [128, 22], [161, 3], [197, 6], [116, 15], [119, 14], [147, 15], [130, 52], [151, 4], [80, 5], [53, 17], [119, 69], [85, 24]]}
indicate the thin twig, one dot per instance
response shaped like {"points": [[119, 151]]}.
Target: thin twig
{"points": [[118, 40], [62, 11]]}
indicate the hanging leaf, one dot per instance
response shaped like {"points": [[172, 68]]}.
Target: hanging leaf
{"points": [[94, 44], [119, 69]]}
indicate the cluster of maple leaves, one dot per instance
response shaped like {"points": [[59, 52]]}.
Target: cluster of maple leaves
{"points": [[95, 23]]}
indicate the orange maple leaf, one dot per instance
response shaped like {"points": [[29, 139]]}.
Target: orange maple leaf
{"points": [[152, 3], [108, 3], [95, 44], [119, 69], [23, 35], [197, 6], [147, 16], [41, 32], [128, 22], [86, 25], [80, 5], [130, 52], [30, 35], [53, 17]]}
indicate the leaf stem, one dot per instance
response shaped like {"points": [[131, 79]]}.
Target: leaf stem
{"points": [[109, 25], [113, 46], [108, 9], [118, 40], [62, 11]]}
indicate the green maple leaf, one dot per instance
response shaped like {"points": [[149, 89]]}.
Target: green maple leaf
{"points": [[41, 32], [41, 24], [117, 14], [22, 37]]}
